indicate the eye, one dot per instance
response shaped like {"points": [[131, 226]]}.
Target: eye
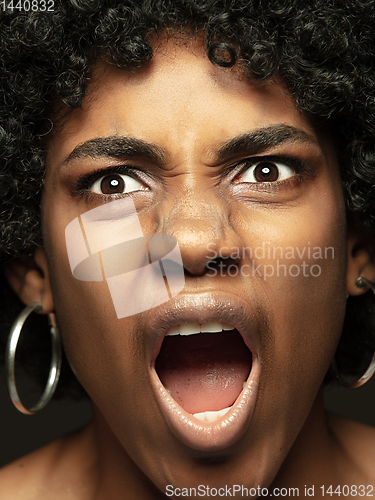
{"points": [[266, 171], [116, 184]]}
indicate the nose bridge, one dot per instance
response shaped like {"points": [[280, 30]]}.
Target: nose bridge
{"points": [[194, 215]]}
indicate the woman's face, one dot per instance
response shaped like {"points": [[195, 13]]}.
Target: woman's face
{"points": [[251, 191]]}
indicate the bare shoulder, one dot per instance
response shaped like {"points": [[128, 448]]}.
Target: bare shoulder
{"points": [[62, 469], [357, 440]]}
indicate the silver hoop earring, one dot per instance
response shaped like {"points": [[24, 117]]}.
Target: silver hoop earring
{"points": [[360, 283], [10, 356]]}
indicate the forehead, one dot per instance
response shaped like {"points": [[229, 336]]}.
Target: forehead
{"points": [[180, 100]]}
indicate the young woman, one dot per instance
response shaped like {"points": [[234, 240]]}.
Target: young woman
{"points": [[245, 133]]}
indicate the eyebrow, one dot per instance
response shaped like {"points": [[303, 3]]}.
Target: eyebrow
{"points": [[262, 139], [117, 147], [129, 147]]}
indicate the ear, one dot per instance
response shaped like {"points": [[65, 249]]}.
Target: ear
{"points": [[30, 280], [361, 257]]}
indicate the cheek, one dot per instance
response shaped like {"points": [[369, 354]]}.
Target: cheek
{"points": [[309, 293], [94, 338], [299, 254]]}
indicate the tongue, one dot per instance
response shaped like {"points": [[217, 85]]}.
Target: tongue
{"points": [[204, 372]]}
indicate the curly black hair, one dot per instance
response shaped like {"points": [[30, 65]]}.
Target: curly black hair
{"points": [[323, 53]]}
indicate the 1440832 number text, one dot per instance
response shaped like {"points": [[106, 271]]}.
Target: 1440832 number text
{"points": [[348, 491], [28, 5]]}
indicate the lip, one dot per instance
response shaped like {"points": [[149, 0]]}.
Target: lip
{"points": [[203, 308]]}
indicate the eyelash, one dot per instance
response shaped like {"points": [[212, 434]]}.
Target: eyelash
{"points": [[301, 172], [83, 183]]}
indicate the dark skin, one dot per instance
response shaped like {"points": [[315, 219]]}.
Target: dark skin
{"points": [[190, 110]]}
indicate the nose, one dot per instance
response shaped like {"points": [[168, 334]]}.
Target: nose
{"points": [[202, 226]]}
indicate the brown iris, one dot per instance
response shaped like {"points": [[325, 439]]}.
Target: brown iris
{"points": [[266, 172], [112, 184]]}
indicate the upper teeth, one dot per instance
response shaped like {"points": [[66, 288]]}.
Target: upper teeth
{"points": [[192, 328]]}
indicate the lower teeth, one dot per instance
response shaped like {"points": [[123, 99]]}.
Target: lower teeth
{"points": [[211, 416]]}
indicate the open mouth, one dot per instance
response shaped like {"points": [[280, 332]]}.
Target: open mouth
{"points": [[204, 367]]}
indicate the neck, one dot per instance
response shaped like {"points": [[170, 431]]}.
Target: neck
{"points": [[316, 457], [118, 475]]}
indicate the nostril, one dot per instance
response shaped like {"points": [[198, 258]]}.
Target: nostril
{"points": [[220, 265]]}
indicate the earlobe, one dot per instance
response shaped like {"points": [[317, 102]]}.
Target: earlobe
{"points": [[361, 262], [29, 278]]}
